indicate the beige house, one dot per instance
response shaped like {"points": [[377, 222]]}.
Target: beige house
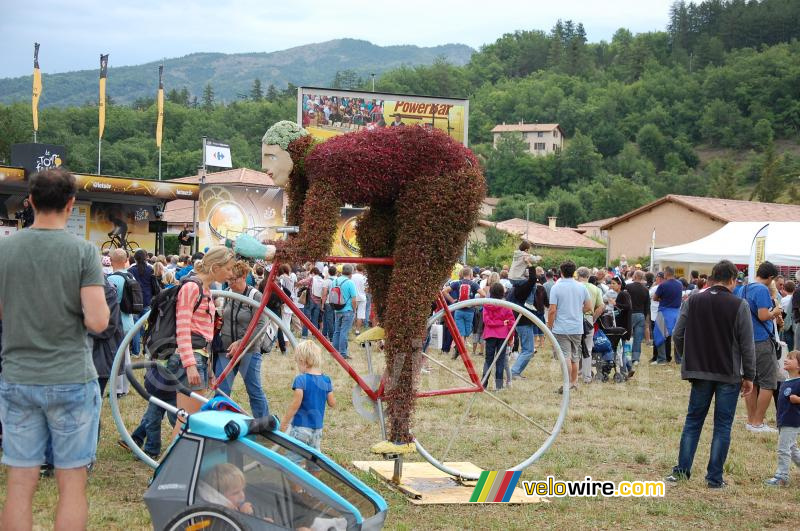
{"points": [[542, 139], [488, 205], [539, 235], [679, 219], [591, 229]]}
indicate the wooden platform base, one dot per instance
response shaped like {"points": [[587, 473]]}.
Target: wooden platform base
{"points": [[424, 484]]}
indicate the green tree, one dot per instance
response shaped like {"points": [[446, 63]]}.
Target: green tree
{"points": [[208, 97], [256, 93], [652, 144], [272, 93], [771, 183], [762, 134], [580, 159]]}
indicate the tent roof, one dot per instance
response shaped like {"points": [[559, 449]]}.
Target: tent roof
{"points": [[733, 242]]}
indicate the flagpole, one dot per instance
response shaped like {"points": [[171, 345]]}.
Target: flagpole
{"points": [[159, 164], [99, 150], [194, 209], [653, 251]]}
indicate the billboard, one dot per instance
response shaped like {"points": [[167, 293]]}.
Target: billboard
{"points": [[330, 112], [225, 211], [37, 157], [131, 220]]}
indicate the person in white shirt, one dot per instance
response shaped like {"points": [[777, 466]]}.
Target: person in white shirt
{"points": [[360, 280], [654, 308]]}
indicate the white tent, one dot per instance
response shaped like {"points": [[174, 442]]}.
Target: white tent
{"points": [[733, 242]]}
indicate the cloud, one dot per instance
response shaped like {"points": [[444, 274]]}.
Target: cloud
{"points": [[73, 34]]}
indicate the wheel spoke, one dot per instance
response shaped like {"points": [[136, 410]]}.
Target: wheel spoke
{"points": [[490, 394]]}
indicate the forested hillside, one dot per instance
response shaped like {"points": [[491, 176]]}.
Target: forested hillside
{"points": [[709, 106], [231, 75]]}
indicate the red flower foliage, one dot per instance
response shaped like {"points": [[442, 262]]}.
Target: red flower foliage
{"points": [[424, 192]]}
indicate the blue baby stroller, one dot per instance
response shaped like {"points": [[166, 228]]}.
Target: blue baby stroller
{"points": [[229, 471]]}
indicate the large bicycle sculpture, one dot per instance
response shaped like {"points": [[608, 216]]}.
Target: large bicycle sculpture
{"points": [[509, 423]]}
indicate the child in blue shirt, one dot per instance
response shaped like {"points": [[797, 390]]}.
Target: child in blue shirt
{"points": [[788, 421], [312, 392]]}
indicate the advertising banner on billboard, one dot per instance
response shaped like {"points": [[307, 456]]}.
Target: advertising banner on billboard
{"points": [[344, 240], [330, 112], [112, 224], [225, 211], [139, 187]]}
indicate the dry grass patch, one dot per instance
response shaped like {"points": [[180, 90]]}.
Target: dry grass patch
{"points": [[613, 432]]}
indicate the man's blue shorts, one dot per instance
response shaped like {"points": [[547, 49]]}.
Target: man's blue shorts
{"points": [[69, 414]]}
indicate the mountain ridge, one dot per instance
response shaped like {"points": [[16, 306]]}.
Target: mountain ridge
{"points": [[232, 75]]}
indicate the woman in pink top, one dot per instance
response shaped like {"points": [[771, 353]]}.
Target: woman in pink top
{"points": [[194, 327], [497, 323]]}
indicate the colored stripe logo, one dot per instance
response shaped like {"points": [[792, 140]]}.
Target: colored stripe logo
{"points": [[495, 486]]}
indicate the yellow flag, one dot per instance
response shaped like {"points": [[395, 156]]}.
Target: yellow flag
{"points": [[37, 86], [102, 101], [160, 99]]}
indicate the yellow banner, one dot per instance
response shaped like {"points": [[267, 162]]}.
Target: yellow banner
{"points": [[160, 122], [37, 87], [101, 104], [160, 100]]}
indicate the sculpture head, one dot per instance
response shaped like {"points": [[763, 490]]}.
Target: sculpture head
{"points": [[275, 158]]}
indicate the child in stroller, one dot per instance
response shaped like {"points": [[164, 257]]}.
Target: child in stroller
{"points": [[606, 351]]}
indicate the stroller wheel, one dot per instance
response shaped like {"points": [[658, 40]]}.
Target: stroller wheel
{"points": [[619, 378], [208, 519]]}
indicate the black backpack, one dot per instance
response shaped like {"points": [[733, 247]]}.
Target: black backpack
{"points": [[160, 338], [132, 298]]}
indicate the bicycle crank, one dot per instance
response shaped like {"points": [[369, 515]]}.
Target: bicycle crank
{"points": [[365, 406]]}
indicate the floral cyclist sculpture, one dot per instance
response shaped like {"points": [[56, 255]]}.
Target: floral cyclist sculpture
{"points": [[423, 190]]}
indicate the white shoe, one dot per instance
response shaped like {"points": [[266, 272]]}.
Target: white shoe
{"points": [[760, 428]]}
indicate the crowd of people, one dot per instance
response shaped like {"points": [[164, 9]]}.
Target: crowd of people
{"points": [[727, 336]]}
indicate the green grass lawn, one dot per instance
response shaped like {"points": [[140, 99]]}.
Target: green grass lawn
{"points": [[613, 432]]}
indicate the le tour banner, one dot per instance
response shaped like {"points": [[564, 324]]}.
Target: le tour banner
{"points": [[328, 112], [225, 211]]}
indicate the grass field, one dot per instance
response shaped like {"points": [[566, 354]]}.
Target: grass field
{"points": [[613, 432]]}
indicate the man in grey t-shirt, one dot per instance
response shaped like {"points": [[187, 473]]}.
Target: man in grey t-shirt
{"points": [[569, 300], [48, 389]]}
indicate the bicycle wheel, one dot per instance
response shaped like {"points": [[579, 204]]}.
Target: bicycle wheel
{"points": [[207, 519], [119, 360], [133, 247], [107, 246], [495, 430]]}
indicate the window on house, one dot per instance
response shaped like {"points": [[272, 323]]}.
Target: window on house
{"points": [[555, 133], [539, 146], [540, 134]]}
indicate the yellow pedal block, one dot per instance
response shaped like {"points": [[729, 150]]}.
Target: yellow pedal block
{"points": [[376, 333], [388, 447]]}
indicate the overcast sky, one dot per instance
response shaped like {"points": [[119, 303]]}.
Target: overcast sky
{"points": [[73, 33]]}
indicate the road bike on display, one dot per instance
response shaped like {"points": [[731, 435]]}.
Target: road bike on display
{"points": [[117, 243], [458, 419]]}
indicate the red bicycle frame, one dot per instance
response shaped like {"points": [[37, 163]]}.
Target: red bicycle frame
{"points": [[269, 288]]}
